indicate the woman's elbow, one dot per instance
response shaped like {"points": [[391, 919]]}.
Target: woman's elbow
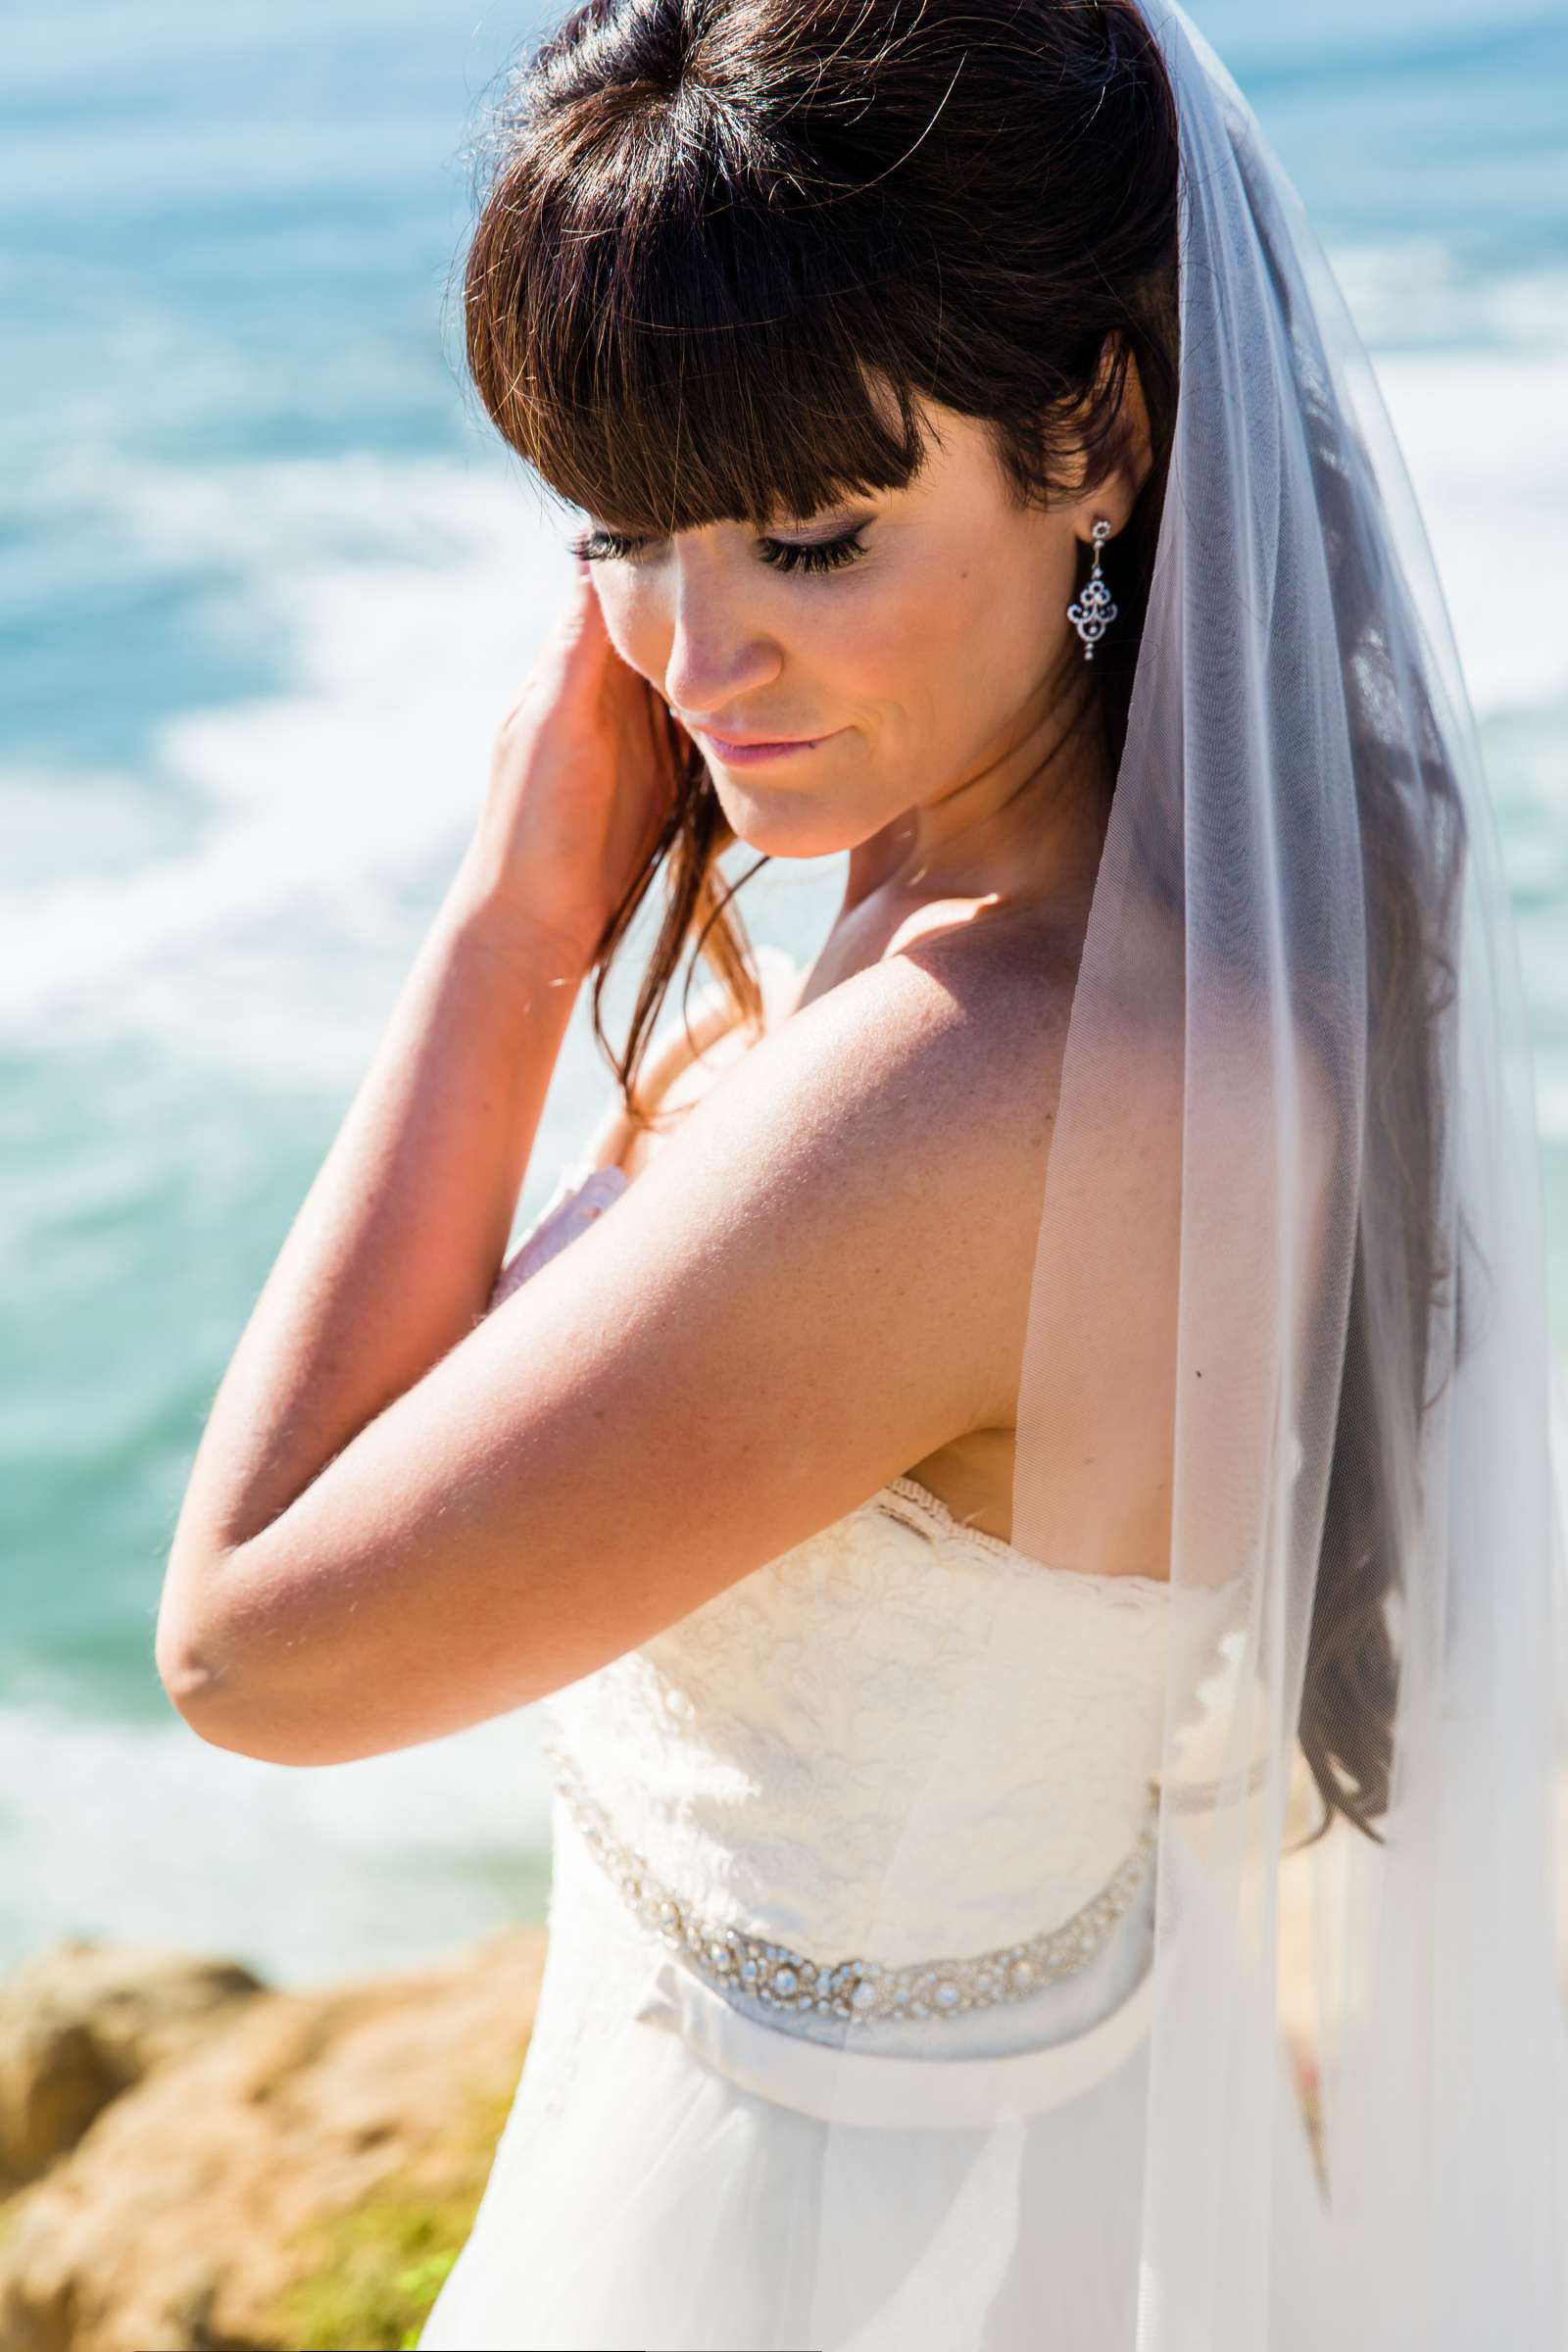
{"points": [[227, 1717], [201, 1694], [189, 1649], [211, 1689]]}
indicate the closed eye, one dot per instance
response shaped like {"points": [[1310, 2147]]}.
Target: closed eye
{"points": [[600, 546]]}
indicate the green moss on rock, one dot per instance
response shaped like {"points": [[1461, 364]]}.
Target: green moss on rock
{"points": [[375, 2271]]}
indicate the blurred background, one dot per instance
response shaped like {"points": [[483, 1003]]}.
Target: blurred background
{"points": [[267, 582]]}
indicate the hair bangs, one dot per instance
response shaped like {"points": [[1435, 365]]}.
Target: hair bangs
{"points": [[678, 349]]}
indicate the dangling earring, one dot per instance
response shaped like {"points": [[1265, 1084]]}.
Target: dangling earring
{"points": [[1094, 614]]}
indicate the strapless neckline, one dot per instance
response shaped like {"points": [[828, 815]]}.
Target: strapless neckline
{"points": [[1129, 1589]]}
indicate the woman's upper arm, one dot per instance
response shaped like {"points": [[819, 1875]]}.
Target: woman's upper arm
{"points": [[806, 1291]]}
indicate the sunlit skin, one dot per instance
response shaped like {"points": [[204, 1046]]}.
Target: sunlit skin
{"points": [[936, 658]]}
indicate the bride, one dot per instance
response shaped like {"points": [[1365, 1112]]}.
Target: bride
{"points": [[1015, 1461]]}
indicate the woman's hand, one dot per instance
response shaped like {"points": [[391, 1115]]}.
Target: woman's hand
{"points": [[581, 782]]}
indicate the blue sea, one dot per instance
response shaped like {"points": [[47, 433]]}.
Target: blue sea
{"points": [[266, 584]]}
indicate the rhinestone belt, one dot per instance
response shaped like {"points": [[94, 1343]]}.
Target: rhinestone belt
{"points": [[860, 1989]]}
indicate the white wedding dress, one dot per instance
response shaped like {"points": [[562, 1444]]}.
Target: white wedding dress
{"points": [[725, 1796]]}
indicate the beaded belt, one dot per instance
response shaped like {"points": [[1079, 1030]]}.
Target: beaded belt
{"points": [[860, 1989]]}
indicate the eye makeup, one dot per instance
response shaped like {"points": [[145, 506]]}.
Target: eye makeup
{"points": [[813, 556]]}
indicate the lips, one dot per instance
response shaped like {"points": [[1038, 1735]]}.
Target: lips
{"points": [[744, 750]]}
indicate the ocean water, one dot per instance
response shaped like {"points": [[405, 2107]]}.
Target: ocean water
{"points": [[266, 584]]}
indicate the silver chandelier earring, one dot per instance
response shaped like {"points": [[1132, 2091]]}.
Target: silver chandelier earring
{"points": [[1094, 613]]}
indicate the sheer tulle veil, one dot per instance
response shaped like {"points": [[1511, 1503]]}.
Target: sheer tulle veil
{"points": [[1352, 1361]]}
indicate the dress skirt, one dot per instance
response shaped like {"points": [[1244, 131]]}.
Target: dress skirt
{"points": [[667, 2178]]}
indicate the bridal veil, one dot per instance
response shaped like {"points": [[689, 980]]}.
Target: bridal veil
{"points": [[1301, 893]]}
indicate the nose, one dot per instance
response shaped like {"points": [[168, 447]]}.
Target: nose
{"points": [[716, 653]]}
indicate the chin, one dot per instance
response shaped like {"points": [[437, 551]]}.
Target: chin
{"points": [[779, 827]]}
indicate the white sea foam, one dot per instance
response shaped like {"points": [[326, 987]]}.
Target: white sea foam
{"points": [[144, 1831], [414, 595], [1481, 436]]}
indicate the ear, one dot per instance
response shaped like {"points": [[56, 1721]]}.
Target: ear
{"points": [[1115, 494]]}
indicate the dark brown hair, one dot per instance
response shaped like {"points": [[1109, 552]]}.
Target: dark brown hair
{"points": [[728, 245], [723, 251]]}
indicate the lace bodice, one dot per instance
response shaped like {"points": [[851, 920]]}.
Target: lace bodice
{"points": [[762, 1751]]}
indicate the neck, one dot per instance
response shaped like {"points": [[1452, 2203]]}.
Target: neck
{"points": [[1024, 825]]}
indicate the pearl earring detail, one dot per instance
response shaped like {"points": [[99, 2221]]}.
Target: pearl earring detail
{"points": [[1094, 613]]}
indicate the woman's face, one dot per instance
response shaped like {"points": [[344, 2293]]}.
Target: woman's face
{"points": [[917, 664]]}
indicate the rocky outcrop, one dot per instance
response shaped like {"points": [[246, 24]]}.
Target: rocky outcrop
{"points": [[81, 2023], [200, 2163]]}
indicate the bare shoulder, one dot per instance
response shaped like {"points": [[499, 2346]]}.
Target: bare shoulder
{"points": [[950, 1046], [909, 1109]]}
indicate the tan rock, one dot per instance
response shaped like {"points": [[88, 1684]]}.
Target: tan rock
{"points": [[309, 2167], [83, 2022]]}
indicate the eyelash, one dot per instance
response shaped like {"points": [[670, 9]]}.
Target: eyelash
{"points": [[823, 556]]}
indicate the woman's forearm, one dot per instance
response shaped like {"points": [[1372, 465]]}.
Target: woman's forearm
{"points": [[392, 1256]]}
